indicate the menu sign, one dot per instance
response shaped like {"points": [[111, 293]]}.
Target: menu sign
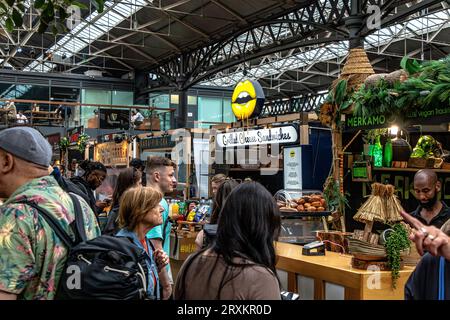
{"points": [[281, 135], [112, 154], [292, 168]]}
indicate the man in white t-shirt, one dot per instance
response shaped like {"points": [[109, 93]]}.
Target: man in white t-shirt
{"points": [[137, 118], [21, 118]]}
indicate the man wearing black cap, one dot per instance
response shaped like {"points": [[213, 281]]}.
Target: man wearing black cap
{"points": [[32, 255]]}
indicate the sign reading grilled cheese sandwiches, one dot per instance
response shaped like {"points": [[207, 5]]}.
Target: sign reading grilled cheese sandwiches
{"points": [[281, 135]]}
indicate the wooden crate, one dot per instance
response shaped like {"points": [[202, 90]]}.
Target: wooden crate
{"points": [[181, 247]]}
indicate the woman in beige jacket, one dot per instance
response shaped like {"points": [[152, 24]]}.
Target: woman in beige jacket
{"points": [[240, 264]]}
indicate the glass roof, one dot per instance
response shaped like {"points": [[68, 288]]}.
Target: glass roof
{"points": [[89, 30], [276, 64]]}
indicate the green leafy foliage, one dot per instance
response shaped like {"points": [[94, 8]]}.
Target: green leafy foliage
{"points": [[411, 66], [53, 14], [396, 242], [376, 99], [64, 143], [333, 196], [429, 86]]}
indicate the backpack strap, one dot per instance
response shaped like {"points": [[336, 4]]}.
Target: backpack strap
{"points": [[79, 231], [54, 224], [164, 231], [77, 225]]}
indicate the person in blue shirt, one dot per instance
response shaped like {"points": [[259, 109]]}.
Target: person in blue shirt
{"points": [[139, 212], [161, 176]]}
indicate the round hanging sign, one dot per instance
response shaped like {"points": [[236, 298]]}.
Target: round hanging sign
{"points": [[247, 100]]}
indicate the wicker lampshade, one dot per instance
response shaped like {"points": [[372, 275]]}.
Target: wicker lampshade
{"points": [[357, 63]]}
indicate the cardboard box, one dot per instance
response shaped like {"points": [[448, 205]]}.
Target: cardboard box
{"points": [[184, 246]]}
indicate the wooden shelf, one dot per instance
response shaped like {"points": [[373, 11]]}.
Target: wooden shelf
{"points": [[408, 169]]}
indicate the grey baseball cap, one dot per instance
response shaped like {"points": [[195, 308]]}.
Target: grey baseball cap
{"points": [[28, 144]]}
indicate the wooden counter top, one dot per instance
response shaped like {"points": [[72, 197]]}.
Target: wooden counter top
{"points": [[336, 268]]}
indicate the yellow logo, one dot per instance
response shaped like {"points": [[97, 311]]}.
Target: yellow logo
{"points": [[292, 154], [247, 100]]}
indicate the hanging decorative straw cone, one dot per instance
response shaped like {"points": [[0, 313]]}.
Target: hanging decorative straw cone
{"points": [[357, 63], [355, 71]]}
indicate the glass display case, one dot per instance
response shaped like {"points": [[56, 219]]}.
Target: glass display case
{"points": [[303, 212]]}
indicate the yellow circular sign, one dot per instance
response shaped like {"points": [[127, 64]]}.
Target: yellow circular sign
{"points": [[292, 154], [247, 99]]}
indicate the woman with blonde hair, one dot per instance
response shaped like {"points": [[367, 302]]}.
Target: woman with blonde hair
{"points": [[139, 212]]}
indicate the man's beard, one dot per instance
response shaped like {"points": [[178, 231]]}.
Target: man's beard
{"points": [[430, 203]]}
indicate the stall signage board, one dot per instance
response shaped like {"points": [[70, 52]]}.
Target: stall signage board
{"points": [[435, 115], [292, 157], [430, 115], [280, 135], [112, 154], [114, 119], [74, 134], [109, 137], [165, 142]]}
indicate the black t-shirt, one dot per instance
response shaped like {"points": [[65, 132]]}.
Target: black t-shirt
{"points": [[423, 284], [438, 220]]}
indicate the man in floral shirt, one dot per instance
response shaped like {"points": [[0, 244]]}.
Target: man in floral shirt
{"points": [[31, 254]]}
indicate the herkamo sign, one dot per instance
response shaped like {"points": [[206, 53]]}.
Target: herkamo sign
{"points": [[286, 134]]}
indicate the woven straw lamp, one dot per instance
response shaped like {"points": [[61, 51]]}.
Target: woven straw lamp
{"points": [[355, 71]]}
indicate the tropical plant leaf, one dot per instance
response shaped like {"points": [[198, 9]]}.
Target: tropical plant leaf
{"points": [[43, 25], [340, 92], [20, 6], [17, 18], [39, 3], [9, 25], [410, 65], [62, 14], [99, 4], [79, 5]]}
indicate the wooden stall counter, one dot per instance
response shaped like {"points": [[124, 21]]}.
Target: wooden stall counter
{"points": [[335, 270]]}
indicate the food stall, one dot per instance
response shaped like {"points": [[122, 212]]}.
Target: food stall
{"points": [[288, 154], [375, 259]]}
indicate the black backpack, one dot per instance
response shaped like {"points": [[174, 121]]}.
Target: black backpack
{"points": [[102, 268]]}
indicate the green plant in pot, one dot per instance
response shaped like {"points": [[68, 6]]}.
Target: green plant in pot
{"points": [[396, 242]]}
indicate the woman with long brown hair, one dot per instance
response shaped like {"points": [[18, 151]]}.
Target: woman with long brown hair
{"points": [[128, 178]]}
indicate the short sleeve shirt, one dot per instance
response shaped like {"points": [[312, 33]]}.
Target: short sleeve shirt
{"points": [[158, 233], [32, 256]]}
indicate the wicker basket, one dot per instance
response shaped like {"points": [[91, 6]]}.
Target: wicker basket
{"points": [[360, 247]]}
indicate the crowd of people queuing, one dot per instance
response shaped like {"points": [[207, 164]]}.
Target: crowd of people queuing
{"points": [[235, 257]]}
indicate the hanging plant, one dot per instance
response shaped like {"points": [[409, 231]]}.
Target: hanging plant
{"points": [[396, 242], [63, 144], [82, 142], [337, 101]]}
